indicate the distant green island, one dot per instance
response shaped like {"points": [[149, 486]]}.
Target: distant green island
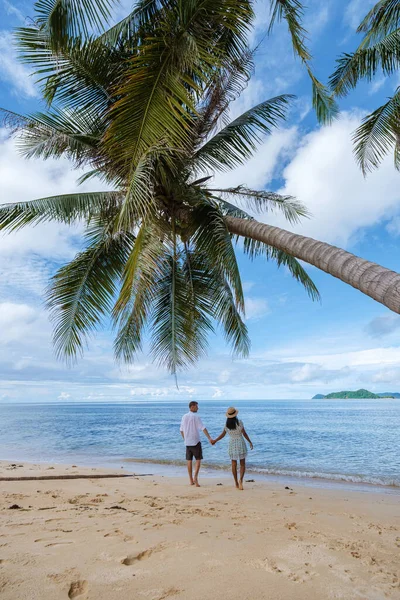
{"points": [[356, 394]]}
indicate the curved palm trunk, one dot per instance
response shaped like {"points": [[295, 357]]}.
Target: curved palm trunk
{"points": [[375, 281]]}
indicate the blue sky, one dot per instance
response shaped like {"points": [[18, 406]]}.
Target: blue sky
{"points": [[299, 348]]}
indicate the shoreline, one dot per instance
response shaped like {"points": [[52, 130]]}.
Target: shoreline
{"points": [[177, 469], [156, 538]]}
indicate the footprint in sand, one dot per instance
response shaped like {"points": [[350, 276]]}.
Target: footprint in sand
{"points": [[78, 589], [132, 558]]}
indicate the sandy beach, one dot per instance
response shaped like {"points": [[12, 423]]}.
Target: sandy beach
{"points": [[156, 537]]}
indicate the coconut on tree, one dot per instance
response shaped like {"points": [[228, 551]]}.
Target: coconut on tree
{"points": [[144, 107]]}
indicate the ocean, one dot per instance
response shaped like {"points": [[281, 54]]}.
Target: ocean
{"points": [[344, 440]]}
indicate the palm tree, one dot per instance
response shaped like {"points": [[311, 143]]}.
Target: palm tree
{"points": [[144, 106], [378, 52]]}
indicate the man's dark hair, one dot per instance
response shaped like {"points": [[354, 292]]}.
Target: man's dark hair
{"points": [[193, 403]]}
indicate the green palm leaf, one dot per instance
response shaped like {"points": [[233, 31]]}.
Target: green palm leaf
{"points": [[70, 18], [292, 11], [264, 202], [378, 133], [131, 312], [75, 134], [81, 293], [382, 19], [237, 142], [365, 63], [65, 208]]}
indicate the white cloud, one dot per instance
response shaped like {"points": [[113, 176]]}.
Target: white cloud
{"points": [[325, 177], [260, 169], [64, 396], [12, 71], [217, 393], [15, 321], [256, 308]]}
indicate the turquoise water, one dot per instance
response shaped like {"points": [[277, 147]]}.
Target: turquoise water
{"points": [[347, 440]]}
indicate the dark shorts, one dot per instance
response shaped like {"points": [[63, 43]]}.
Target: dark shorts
{"points": [[194, 452]]}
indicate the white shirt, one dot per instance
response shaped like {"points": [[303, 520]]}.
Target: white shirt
{"points": [[191, 425]]}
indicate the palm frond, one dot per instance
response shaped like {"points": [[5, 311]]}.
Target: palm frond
{"points": [[225, 311], [70, 18], [378, 133], [81, 73], [227, 85], [264, 202], [365, 63], [324, 104], [292, 11], [75, 134], [81, 293], [65, 208], [212, 239], [254, 249], [139, 197], [237, 142], [129, 29], [131, 312], [382, 19], [174, 343]]}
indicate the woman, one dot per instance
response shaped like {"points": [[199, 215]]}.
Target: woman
{"points": [[237, 446]]}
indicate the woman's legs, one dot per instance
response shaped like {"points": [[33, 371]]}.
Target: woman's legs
{"points": [[242, 472], [234, 472]]}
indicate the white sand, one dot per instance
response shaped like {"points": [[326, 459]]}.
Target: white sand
{"points": [[170, 540]]}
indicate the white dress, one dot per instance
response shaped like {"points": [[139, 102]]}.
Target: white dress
{"points": [[237, 446]]}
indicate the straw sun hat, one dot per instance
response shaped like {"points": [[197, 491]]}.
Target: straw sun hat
{"points": [[231, 412]]}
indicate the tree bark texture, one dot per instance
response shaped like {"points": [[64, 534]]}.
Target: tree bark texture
{"points": [[375, 281]]}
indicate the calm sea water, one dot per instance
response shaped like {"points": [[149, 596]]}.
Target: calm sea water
{"points": [[349, 440]]}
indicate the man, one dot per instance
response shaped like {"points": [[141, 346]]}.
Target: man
{"points": [[191, 425]]}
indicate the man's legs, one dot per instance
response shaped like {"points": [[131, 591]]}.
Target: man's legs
{"points": [[242, 472], [190, 471], [196, 473], [234, 472]]}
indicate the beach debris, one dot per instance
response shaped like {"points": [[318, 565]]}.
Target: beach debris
{"points": [[249, 480], [15, 507], [288, 488], [219, 484], [115, 507]]}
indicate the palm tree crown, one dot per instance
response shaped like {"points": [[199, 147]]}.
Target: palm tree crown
{"points": [[144, 107]]}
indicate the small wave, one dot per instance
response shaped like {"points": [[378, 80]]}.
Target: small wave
{"points": [[339, 477], [381, 481]]}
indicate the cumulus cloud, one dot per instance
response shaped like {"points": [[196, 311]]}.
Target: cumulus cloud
{"points": [[324, 176], [15, 321], [12, 71], [260, 169]]}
